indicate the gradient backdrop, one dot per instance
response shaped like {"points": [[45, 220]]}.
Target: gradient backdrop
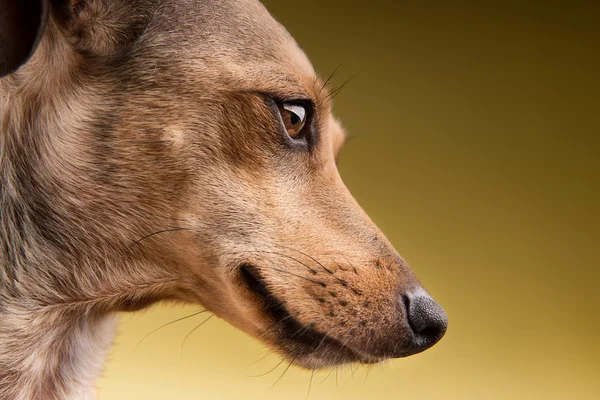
{"points": [[477, 152]]}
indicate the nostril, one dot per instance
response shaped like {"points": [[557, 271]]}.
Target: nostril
{"points": [[406, 301], [430, 332], [426, 318]]}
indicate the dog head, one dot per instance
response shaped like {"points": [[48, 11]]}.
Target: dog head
{"points": [[191, 142]]}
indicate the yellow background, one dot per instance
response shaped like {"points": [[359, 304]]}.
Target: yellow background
{"points": [[477, 152]]}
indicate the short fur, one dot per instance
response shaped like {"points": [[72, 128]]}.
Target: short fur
{"points": [[141, 161]]}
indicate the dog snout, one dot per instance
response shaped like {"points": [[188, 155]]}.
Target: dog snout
{"points": [[426, 318]]}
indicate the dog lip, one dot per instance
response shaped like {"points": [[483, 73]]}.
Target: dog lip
{"points": [[289, 326], [290, 331]]}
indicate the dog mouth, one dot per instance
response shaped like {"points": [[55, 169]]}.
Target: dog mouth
{"points": [[301, 342]]}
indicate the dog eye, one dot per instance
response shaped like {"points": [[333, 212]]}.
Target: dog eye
{"points": [[294, 118]]}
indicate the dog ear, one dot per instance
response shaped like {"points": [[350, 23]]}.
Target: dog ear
{"points": [[22, 25], [102, 27], [94, 27]]}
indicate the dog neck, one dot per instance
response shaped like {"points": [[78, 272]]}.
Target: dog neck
{"points": [[69, 259], [57, 307], [55, 350], [57, 319], [54, 333], [52, 353]]}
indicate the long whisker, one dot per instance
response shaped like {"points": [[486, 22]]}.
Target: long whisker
{"points": [[327, 377], [269, 371], [276, 253], [352, 370], [330, 77], [323, 340], [167, 324], [299, 262], [282, 374], [341, 281], [265, 353], [369, 368], [274, 324], [349, 138], [171, 229], [296, 275], [306, 255], [310, 383], [307, 327], [337, 91], [193, 330]]}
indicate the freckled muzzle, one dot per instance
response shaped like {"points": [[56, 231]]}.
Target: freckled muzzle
{"points": [[342, 316]]}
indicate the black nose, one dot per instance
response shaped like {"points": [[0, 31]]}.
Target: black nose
{"points": [[426, 318]]}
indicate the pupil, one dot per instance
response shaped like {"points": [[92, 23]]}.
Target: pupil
{"points": [[294, 119]]}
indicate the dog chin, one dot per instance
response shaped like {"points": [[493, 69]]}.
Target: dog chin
{"points": [[326, 356]]}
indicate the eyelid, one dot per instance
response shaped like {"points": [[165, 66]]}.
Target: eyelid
{"points": [[296, 98], [273, 100], [291, 98]]}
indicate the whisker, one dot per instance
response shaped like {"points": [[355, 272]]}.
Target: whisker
{"points": [[327, 377], [192, 331], [341, 281], [274, 324], [299, 262], [349, 138], [349, 263], [323, 340], [369, 368], [339, 266], [172, 229], [339, 89], [282, 374], [269, 371], [265, 353], [165, 325], [352, 371], [346, 341], [306, 255], [307, 327], [276, 253], [295, 259], [296, 275], [330, 77], [310, 383]]}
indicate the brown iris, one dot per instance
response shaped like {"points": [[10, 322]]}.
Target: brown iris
{"points": [[294, 118]]}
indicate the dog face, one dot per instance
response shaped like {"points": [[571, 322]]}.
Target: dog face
{"points": [[191, 142]]}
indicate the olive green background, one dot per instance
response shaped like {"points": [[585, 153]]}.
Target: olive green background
{"points": [[475, 147]]}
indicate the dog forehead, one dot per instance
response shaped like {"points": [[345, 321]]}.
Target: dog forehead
{"points": [[239, 38]]}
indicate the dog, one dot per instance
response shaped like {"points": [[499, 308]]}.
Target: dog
{"points": [[180, 150]]}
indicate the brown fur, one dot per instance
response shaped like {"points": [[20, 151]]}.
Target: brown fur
{"points": [[140, 162]]}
